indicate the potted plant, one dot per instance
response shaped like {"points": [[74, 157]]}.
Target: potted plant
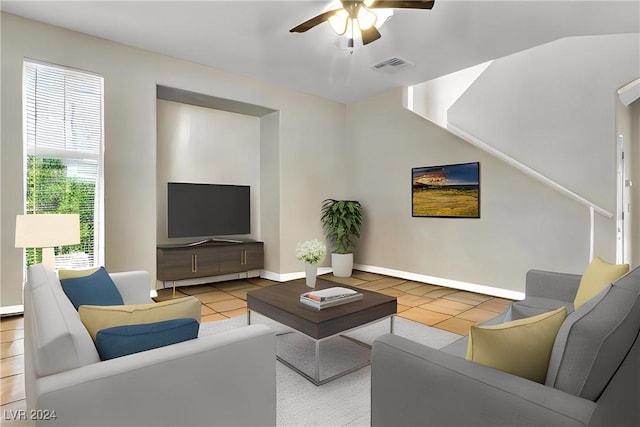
{"points": [[341, 221], [311, 252]]}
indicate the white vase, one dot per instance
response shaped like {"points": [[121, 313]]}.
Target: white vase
{"points": [[342, 264], [310, 274]]}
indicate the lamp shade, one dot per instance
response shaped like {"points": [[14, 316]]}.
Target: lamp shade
{"points": [[47, 230]]}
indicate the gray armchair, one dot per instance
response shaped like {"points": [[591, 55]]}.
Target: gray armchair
{"points": [[593, 377], [546, 290]]}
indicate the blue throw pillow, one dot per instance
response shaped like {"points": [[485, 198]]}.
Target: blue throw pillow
{"points": [[94, 289], [123, 340]]}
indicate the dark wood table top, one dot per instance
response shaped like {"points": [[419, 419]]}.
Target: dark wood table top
{"points": [[282, 304]]}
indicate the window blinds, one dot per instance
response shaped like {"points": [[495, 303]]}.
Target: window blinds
{"points": [[63, 114]]}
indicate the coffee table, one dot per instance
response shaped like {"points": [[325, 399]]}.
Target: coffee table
{"points": [[281, 303]]}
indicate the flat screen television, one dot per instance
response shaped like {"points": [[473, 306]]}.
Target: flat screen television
{"points": [[207, 210]]}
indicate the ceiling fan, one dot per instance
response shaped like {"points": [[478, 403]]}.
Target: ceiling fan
{"points": [[367, 13]]}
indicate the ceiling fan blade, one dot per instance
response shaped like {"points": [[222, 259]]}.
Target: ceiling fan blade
{"points": [[307, 25], [402, 4], [370, 35]]}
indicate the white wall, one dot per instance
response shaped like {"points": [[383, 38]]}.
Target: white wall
{"points": [[433, 98], [309, 134], [204, 145], [314, 167], [270, 206], [552, 108], [523, 224], [634, 111]]}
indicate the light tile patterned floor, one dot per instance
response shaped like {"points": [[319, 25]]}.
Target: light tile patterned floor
{"points": [[436, 306]]}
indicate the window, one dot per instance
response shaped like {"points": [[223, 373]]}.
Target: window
{"points": [[63, 116]]}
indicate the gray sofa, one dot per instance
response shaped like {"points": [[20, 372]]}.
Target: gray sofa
{"points": [[593, 377]]}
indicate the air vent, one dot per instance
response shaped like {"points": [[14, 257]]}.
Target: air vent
{"points": [[392, 65]]}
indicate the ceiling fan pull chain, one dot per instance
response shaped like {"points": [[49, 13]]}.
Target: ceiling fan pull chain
{"points": [[350, 43]]}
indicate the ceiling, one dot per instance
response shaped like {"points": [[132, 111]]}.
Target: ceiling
{"points": [[252, 38]]}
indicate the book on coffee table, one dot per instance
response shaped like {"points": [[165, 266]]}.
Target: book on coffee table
{"points": [[329, 297]]}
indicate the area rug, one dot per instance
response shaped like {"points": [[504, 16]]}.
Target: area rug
{"points": [[345, 401]]}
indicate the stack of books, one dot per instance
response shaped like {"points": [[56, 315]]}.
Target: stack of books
{"points": [[329, 297]]}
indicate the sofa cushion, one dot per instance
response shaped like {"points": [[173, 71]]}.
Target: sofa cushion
{"points": [[96, 318], [123, 340], [598, 274], [595, 338], [58, 339], [94, 288], [532, 306], [72, 274], [459, 347], [521, 347]]}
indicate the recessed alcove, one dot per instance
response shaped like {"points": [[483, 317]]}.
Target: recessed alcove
{"points": [[208, 139]]}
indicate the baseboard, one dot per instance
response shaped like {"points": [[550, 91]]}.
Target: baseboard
{"points": [[286, 277], [423, 278], [11, 310], [449, 283]]}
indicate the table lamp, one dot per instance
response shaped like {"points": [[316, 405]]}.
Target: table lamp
{"points": [[47, 231]]}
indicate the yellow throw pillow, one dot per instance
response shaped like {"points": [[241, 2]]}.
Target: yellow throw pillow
{"points": [[598, 274], [97, 317], [72, 274], [521, 347]]}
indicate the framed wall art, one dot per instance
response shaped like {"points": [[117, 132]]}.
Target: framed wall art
{"points": [[446, 191]]}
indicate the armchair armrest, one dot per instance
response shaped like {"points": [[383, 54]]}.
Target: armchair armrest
{"points": [[412, 384], [223, 379], [134, 286], [552, 285]]}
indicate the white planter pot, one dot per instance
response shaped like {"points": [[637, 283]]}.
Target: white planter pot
{"points": [[342, 264]]}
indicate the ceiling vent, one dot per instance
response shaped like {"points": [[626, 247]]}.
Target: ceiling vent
{"points": [[392, 65]]}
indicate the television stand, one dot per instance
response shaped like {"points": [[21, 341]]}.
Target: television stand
{"points": [[210, 260]]}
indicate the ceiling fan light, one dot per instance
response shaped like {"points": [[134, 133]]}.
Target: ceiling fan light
{"points": [[339, 22], [366, 18]]}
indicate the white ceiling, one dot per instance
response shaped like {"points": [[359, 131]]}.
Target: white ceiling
{"points": [[252, 38]]}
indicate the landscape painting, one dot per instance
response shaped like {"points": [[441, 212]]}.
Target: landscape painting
{"points": [[448, 191]]}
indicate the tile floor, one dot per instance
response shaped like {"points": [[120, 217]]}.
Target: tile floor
{"points": [[436, 306]]}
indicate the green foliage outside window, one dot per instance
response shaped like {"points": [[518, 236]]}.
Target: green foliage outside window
{"points": [[49, 191]]}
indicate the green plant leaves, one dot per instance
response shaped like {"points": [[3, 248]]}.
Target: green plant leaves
{"points": [[342, 221]]}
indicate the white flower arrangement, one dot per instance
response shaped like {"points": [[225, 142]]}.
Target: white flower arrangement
{"points": [[311, 251]]}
